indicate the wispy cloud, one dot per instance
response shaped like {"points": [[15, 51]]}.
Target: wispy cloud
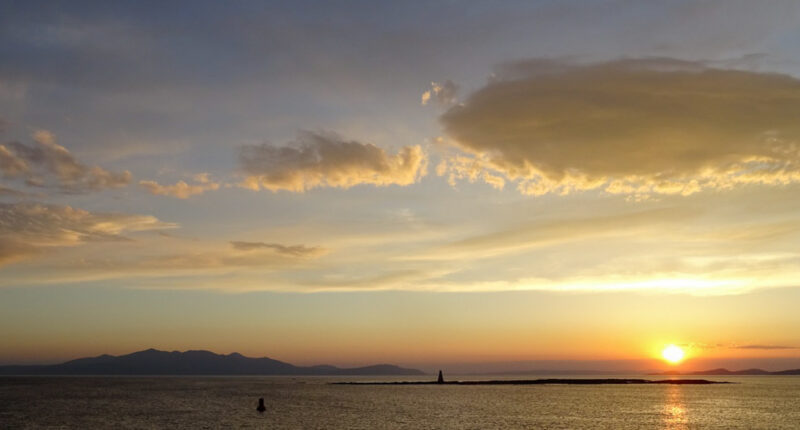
{"points": [[636, 127], [326, 160], [250, 262], [292, 250], [764, 347], [556, 231], [48, 164], [29, 228], [5, 191], [444, 94], [268, 257], [182, 189]]}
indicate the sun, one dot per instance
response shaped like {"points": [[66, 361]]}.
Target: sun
{"points": [[673, 354]]}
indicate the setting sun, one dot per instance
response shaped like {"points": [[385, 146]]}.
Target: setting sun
{"points": [[673, 354]]}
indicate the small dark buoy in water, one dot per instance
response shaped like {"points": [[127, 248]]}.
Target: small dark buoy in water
{"points": [[441, 378], [261, 407]]}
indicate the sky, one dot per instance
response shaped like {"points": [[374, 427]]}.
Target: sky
{"points": [[482, 185]]}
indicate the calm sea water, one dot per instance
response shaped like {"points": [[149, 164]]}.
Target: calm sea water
{"points": [[311, 403]]}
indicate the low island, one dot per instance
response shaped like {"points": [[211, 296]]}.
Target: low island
{"points": [[567, 381], [546, 381]]}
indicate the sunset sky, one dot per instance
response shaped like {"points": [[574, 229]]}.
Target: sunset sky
{"points": [[560, 184]]}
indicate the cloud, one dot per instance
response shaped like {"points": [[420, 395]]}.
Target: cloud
{"points": [[638, 126], [326, 160], [30, 228], [12, 251], [399, 279], [182, 260], [181, 189], [712, 346], [459, 167], [291, 250], [48, 164], [764, 347], [444, 94], [247, 255], [546, 233], [5, 191], [11, 165]]}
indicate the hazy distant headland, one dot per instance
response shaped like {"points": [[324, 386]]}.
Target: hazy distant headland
{"points": [[155, 362]]}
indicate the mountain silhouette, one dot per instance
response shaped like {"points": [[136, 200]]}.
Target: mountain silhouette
{"points": [[155, 362]]}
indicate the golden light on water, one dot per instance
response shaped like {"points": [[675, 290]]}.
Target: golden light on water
{"points": [[673, 354], [675, 411]]}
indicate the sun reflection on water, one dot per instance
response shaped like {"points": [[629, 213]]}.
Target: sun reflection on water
{"points": [[675, 413]]}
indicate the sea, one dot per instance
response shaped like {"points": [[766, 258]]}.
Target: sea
{"points": [[222, 402]]}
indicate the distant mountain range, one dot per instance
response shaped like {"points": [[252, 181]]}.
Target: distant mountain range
{"points": [[155, 362], [732, 372]]}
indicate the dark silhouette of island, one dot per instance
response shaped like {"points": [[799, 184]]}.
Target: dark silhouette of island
{"points": [[724, 372], [155, 362], [551, 381]]}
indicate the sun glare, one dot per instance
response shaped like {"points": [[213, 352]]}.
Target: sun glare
{"points": [[673, 354]]}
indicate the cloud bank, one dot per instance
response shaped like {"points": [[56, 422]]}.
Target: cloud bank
{"points": [[48, 164], [326, 160], [639, 126]]}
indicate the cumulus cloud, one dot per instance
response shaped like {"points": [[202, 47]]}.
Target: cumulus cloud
{"points": [[48, 164], [326, 160], [636, 127], [444, 94], [181, 189], [29, 228], [291, 250]]}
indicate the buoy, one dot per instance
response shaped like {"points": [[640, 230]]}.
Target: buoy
{"points": [[441, 378], [261, 407]]}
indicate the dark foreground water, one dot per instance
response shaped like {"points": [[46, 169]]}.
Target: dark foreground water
{"points": [[771, 402]]}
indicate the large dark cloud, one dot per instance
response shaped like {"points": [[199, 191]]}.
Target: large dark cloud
{"points": [[326, 160], [628, 126]]}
